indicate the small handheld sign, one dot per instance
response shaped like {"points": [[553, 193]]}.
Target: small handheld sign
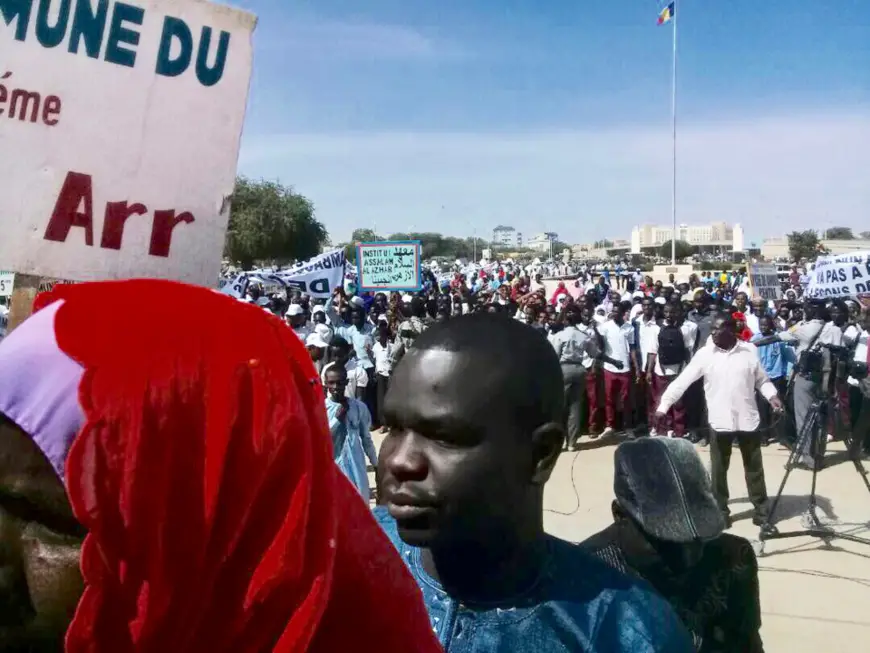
{"points": [[391, 266]]}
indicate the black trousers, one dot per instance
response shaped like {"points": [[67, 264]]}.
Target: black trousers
{"points": [[861, 426], [383, 384], [749, 442]]}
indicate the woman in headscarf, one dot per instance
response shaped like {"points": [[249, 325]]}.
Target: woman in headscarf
{"points": [[170, 487], [744, 333]]}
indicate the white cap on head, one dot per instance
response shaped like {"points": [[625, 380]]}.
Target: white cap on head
{"points": [[316, 340], [407, 299], [660, 300], [318, 309], [293, 310]]}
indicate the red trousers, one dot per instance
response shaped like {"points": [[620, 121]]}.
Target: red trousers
{"points": [[616, 392], [593, 400], [675, 420]]}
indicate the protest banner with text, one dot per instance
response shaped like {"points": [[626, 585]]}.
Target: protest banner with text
{"points": [[389, 266], [764, 282], [317, 277], [845, 275], [120, 125]]}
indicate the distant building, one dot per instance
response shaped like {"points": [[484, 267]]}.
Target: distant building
{"points": [[504, 236], [596, 251], [541, 242], [715, 236], [777, 248]]}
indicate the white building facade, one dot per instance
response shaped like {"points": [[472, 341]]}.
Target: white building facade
{"points": [[541, 242], [712, 235], [505, 236]]}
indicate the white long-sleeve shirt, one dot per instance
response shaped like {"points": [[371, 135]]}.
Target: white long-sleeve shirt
{"points": [[730, 380]]}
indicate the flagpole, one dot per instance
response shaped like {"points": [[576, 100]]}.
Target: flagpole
{"points": [[674, 144]]}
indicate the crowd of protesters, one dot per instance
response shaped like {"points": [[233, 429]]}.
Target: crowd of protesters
{"points": [[641, 334]]}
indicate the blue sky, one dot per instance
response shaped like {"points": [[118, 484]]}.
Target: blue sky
{"points": [[459, 115]]}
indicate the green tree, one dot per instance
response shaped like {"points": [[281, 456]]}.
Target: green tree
{"points": [[269, 222], [682, 250], [803, 245], [364, 236], [602, 244], [839, 233], [865, 235], [359, 236]]}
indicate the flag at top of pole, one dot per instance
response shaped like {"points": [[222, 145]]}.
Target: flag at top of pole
{"points": [[667, 13]]}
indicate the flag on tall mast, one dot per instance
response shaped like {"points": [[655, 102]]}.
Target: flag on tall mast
{"points": [[667, 15]]}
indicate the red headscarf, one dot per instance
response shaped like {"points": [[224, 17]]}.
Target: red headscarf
{"points": [[744, 334], [560, 290], [204, 474]]}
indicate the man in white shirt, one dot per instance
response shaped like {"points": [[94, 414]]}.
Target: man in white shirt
{"points": [[295, 317], [859, 388], [732, 372], [618, 336], [647, 332], [758, 308], [340, 351], [660, 375]]}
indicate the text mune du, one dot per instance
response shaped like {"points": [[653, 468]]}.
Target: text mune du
{"points": [[108, 30], [75, 208]]}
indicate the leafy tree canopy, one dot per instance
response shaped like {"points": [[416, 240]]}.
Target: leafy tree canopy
{"points": [[839, 233], [682, 249], [269, 222], [804, 245]]}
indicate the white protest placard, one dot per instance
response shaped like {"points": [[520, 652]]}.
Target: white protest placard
{"points": [[389, 266], [845, 275], [120, 125], [764, 281], [7, 280], [236, 286], [317, 277]]}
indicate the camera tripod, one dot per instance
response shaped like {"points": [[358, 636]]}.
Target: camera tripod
{"points": [[811, 434]]}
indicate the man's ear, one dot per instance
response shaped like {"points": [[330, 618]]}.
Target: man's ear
{"points": [[547, 442]]}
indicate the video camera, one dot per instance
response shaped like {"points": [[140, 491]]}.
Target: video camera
{"points": [[812, 362]]}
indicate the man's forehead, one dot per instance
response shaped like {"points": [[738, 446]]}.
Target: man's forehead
{"points": [[459, 378]]}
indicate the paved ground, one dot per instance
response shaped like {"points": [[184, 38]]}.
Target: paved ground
{"points": [[815, 598]]}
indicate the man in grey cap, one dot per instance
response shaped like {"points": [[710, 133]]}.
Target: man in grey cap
{"points": [[668, 530]]}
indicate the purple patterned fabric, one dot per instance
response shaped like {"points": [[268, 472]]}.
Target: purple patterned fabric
{"points": [[39, 386]]}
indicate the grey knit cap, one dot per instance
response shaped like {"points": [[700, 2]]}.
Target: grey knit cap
{"points": [[662, 483]]}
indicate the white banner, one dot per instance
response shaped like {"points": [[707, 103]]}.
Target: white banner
{"points": [[845, 275], [236, 286], [119, 132], [317, 277]]}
